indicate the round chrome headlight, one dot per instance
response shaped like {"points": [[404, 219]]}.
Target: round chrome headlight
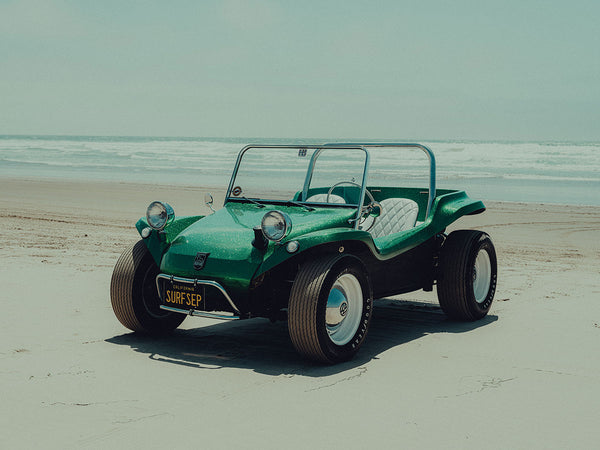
{"points": [[159, 215], [276, 225]]}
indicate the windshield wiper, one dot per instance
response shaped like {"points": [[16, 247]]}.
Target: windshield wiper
{"points": [[291, 202], [260, 205]]}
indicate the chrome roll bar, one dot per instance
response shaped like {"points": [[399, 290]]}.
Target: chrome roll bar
{"points": [[429, 153], [347, 146]]}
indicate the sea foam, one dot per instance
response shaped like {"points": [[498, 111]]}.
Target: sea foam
{"points": [[554, 172]]}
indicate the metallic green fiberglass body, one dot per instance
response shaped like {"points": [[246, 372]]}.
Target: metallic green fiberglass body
{"points": [[227, 235], [319, 251]]}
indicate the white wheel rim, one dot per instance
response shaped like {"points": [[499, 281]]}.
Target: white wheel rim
{"points": [[482, 276], [344, 309]]}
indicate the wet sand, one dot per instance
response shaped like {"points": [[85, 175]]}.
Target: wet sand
{"points": [[527, 376]]}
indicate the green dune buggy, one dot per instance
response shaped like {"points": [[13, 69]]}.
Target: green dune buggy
{"points": [[309, 234]]}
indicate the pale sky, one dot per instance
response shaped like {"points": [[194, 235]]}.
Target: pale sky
{"points": [[492, 70]]}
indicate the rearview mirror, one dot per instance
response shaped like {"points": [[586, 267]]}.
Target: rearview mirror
{"points": [[208, 200]]}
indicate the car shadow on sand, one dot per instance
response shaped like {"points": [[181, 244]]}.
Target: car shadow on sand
{"points": [[265, 347]]}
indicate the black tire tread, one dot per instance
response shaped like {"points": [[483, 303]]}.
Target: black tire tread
{"points": [[302, 310], [453, 294], [121, 285]]}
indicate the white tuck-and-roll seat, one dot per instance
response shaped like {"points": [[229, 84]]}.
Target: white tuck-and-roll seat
{"points": [[322, 198], [397, 214]]}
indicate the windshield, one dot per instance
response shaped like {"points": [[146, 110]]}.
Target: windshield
{"points": [[303, 174]]}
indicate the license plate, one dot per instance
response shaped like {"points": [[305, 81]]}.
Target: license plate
{"points": [[183, 296]]}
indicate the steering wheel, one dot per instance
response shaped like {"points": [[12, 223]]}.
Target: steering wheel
{"points": [[365, 211]]}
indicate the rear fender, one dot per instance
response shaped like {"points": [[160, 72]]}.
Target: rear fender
{"points": [[446, 209]]}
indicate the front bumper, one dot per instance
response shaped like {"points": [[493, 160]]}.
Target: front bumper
{"points": [[197, 310]]}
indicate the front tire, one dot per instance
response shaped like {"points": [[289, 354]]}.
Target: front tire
{"points": [[467, 282], [134, 296], [330, 309]]}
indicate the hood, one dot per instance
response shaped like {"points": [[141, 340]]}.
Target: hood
{"points": [[227, 235]]}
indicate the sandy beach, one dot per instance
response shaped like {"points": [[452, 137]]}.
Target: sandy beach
{"points": [[527, 376]]}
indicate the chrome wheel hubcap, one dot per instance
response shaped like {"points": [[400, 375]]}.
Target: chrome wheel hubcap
{"points": [[344, 309]]}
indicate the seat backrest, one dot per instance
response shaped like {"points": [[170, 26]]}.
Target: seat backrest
{"points": [[322, 198], [397, 214]]}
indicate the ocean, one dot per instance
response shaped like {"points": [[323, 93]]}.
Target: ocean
{"points": [[538, 172]]}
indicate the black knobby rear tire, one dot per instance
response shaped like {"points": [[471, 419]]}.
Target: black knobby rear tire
{"points": [[333, 334], [133, 293], [468, 274]]}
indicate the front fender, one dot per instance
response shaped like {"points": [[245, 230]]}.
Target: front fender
{"points": [[159, 241], [308, 241]]}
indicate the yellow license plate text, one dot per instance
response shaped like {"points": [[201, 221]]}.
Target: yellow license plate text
{"points": [[177, 298]]}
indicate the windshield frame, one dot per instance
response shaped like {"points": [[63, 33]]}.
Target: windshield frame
{"points": [[309, 174]]}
